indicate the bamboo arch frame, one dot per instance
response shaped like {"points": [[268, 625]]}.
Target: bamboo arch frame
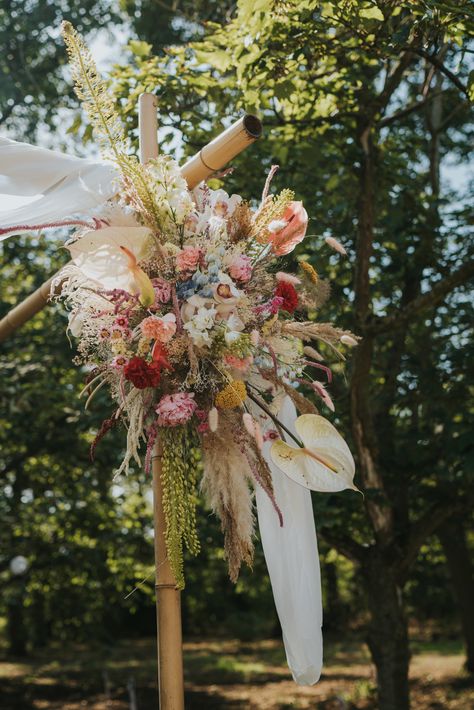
{"points": [[211, 158], [221, 150]]}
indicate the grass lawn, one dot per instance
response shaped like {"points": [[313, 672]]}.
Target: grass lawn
{"points": [[224, 674]]}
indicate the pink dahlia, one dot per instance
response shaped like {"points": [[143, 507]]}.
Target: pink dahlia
{"points": [[175, 409]]}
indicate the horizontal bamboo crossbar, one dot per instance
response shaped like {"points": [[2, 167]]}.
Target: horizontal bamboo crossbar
{"points": [[211, 158]]}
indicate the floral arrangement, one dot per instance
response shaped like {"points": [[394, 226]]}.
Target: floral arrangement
{"points": [[180, 309]]}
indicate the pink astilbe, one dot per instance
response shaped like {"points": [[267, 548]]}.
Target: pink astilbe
{"points": [[105, 427]]}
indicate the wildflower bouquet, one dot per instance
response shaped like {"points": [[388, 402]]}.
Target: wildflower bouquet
{"points": [[180, 309]]}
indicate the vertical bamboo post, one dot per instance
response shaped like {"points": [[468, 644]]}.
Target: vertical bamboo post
{"points": [[168, 598]]}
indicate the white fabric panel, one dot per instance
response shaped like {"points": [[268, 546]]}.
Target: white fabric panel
{"points": [[47, 186], [291, 554]]}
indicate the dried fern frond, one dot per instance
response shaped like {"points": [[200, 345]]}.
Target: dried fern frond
{"points": [[99, 105]]}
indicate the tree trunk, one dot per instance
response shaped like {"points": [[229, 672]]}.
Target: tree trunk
{"points": [[453, 539], [16, 627], [387, 635]]}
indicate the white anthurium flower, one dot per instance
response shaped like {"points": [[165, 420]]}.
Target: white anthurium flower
{"points": [[323, 464], [99, 254]]}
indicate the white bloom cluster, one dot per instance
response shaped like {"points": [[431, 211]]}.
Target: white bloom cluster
{"points": [[170, 190], [200, 324]]}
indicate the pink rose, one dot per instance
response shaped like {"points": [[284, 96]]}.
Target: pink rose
{"points": [[188, 258], [285, 238], [161, 329], [240, 268], [175, 409]]}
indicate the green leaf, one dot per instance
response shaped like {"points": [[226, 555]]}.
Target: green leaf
{"points": [[139, 49], [372, 13]]}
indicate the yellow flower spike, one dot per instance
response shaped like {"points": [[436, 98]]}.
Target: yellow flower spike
{"points": [[142, 283], [324, 463], [309, 271], [233, 395]]}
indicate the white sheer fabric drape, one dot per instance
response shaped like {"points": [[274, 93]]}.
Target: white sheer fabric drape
{"points": [[291, 554], [46, 186]]}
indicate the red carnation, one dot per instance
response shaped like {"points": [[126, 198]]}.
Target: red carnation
{"points": [[141, 374], [288, 293]]}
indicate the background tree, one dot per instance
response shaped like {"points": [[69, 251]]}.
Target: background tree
{"points": [[363, 102]]}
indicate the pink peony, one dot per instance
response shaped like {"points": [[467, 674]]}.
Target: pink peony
{"points": [[161, 329], [175, 409], [286, 237], [240, 268], [188, 258]]}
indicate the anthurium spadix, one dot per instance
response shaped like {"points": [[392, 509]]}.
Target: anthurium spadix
{"points": [[324, 463], [109, 256]]}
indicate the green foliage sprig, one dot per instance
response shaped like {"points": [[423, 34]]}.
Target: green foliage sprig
{"points": [[179, 477]]}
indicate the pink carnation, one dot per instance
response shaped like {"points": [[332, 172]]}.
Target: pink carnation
{"points": [[240, 268], [188, 258], [175, 409], [161, 329]]}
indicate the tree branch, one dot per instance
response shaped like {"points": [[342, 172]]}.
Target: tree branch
{"points": [[433, 297], [424, 527], [345, 545], [407, 110], [435, 61]]}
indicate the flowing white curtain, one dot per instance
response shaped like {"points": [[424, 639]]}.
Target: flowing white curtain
{"points": [[40, 186], [291, 554]]}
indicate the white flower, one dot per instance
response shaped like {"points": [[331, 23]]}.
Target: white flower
{"points": [[199, 325], [98, 256], [170, 190], [191, 306], [222, 205]]}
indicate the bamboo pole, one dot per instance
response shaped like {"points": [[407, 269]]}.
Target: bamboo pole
{"points": [[222, 149], [168, 597], [25, 310], [212, 157]]}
